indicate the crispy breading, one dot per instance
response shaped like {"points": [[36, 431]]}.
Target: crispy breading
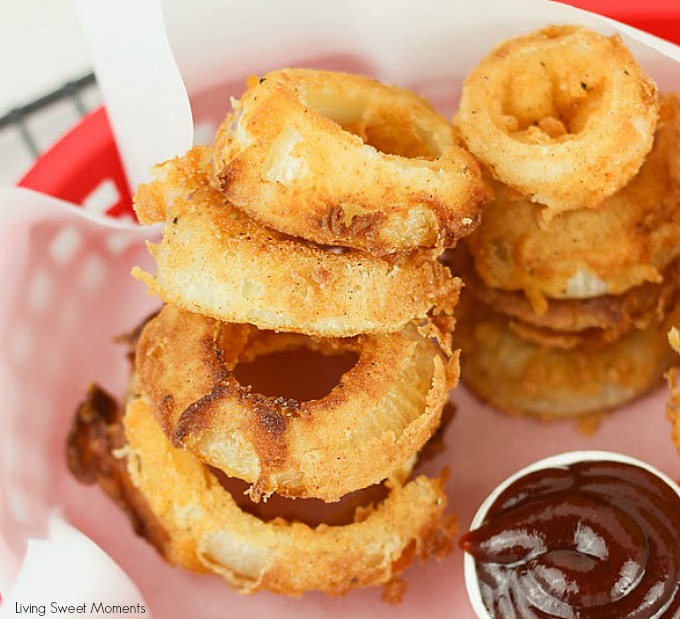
{"points": [[342, 159], [214, 260], [381, 412], [629, 240], [562, 115], [609, 315], [520, 376], [208, 531]]}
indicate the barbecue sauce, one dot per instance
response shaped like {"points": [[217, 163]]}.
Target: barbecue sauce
{"points": [[594, 540]]}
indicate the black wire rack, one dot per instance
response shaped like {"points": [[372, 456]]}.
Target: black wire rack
{"points": [[17, 117]]}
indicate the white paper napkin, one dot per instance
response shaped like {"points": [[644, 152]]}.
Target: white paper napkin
{"points": [[68, 575]]}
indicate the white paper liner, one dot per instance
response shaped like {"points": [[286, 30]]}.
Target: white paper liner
{"points": [[68, 569], [63, 271], [145, 98]]}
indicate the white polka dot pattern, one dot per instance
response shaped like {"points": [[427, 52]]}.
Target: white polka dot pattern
{"points": [[64, 244], [92, 273], [40, 291], [102, 198], [56, 337]]}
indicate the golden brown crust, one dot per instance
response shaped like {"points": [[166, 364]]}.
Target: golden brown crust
{"points": [[609, 315], [302, 155], [96, 453], [523, 377], [379, 415], [207, 530], [214, 260], [182, 510], [626, 242], [674, 339], [562, 115]]}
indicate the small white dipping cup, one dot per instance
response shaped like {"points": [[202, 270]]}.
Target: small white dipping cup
{"points": [[560, 460]]}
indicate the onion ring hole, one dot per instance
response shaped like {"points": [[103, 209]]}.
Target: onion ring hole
{"points": [[301, 374], [393, 131], [312, 512], [554, 105]]}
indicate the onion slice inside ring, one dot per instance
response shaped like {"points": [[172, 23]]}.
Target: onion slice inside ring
{"points": [[342, 159], [214, 260], [381, 412], [206, 531], [562, 115]]}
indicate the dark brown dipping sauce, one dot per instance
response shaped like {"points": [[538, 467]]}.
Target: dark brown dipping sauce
{"points": [[596, 539]]}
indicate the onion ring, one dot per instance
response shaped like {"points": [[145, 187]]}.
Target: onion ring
{"points": [[295, 126], [203, 529], [567, 340], [207, 531], [521, 377], [613, 315], [563, 115], [567, 258], [380, 414], [96, 434], [214, 260]]}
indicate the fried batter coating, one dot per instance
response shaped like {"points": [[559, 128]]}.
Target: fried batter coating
{"points": [[207, 530], [194, 522], [381, 412], [342, 159], [563, 115], [95, 453], [214, 260], [610, 315], [175, 503], [551, 382], [588, 253]]}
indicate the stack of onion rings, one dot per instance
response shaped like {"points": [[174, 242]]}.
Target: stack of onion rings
{"points": [[214, 260], [573, 271], [344, 160], [196, 523], [208, 452], [575, 255], [522, 376], [611, 315]]}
